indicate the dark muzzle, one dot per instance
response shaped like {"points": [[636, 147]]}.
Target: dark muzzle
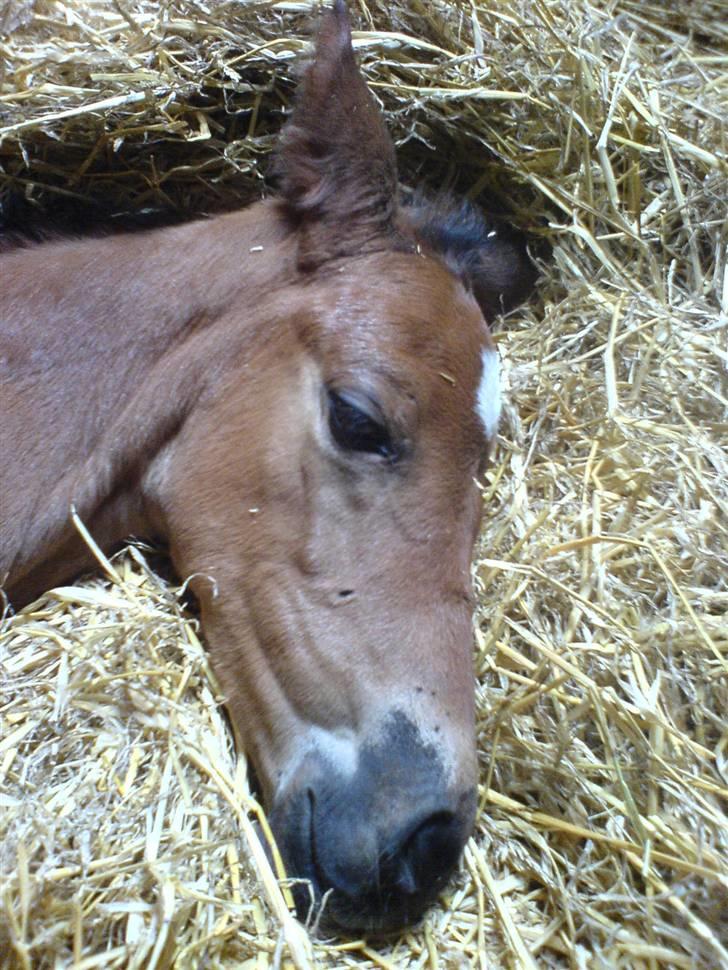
{"points": [[378, 845]]}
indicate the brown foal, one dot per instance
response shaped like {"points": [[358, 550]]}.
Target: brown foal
{"points": [[298, 399]]}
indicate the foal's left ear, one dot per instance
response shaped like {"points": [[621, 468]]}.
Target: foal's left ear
{"points": [[336, 162]]}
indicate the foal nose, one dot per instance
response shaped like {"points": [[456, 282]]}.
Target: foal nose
{"points": [[379, 880], [379, 843]]}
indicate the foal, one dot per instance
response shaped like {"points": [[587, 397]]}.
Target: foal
{"points": [[298, 399]]}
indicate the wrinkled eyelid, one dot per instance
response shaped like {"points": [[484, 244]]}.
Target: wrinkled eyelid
{"points": [[359, 401]]}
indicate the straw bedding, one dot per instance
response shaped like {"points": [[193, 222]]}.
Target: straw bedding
{"points": [[126, 822]]}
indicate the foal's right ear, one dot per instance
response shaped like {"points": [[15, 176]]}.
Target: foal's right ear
{"points": [[336, 162]]}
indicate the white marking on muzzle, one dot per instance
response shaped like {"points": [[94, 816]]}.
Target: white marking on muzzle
{"points": [[339, 749], [488, 400]]}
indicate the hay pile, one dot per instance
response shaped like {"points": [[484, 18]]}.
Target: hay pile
{"points": [[602, 648]]}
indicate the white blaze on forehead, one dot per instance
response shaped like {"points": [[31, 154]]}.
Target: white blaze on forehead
{"points": [[488, 398]]}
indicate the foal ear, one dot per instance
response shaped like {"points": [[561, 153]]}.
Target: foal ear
{"points": [[492, 261], [336, 162]]}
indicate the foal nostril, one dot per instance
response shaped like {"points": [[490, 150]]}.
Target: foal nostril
{"points": [[426, 856]]}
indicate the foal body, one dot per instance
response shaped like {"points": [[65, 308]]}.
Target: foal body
{"points": [[298, 399]]}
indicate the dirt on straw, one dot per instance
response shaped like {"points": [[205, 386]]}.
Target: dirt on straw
{"points": [[127, 829]]}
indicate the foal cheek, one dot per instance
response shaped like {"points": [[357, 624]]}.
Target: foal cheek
{"points": [[257, 698]]}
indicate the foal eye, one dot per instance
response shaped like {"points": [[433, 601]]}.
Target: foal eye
{"points": [[354, 429]]}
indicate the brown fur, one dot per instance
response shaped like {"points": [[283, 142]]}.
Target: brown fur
{"points": [[173, 384]]}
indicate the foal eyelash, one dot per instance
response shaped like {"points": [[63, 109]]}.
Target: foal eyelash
{"points": [[354, 428]]}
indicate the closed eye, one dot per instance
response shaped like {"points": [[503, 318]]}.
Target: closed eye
{"points": [[354, 427]]}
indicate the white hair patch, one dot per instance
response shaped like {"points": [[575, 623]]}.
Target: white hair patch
{"points": [[337, 748], [488, 399]]}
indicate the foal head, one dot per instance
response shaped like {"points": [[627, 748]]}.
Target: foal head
{"points": [[328, 485]]}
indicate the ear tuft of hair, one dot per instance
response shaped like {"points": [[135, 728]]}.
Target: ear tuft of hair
{"points": [[492, 259]]}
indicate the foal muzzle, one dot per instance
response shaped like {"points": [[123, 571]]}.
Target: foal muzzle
{"points": [[374, 846]]}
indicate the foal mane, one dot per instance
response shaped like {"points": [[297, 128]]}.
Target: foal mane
{"points": [[24, 225]]}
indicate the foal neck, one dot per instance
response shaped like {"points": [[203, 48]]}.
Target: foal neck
{"points": [[104, 346]]}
